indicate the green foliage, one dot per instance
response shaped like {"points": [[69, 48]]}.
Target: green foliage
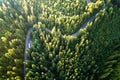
{"points": [[92, 55], [116, 2]]}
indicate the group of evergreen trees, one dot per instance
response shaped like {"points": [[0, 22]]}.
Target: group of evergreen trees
{"points": [[67, 15], [116, 2], [94, 54]]}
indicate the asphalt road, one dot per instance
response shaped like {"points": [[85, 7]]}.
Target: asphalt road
{"points": [[88, 1], [90, 19], [27, 46], [83, 26]]}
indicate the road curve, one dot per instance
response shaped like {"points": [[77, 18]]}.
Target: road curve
{"points": [[90, 19], [83, 26]]}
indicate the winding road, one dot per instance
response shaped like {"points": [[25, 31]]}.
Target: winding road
{"points": [[84, 25], [27, 46], [29, 42], [90, 19]]}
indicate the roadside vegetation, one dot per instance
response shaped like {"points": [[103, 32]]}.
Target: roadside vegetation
{"points": [[93, 54]]}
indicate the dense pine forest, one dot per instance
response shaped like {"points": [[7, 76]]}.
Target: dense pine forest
{"points": [[59, 39]]}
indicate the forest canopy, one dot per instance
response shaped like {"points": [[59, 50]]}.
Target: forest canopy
{"points": [[69, 40]]}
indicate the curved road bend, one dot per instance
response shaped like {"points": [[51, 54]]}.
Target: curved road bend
{"points": [[27, 46], [85, 24]]}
